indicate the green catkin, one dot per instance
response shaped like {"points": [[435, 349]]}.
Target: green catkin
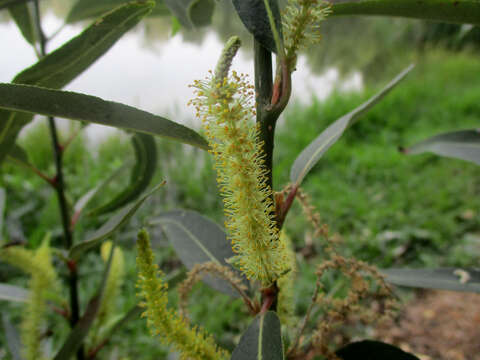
{"points": [[225, 104], [301, 24], [38, 265], [191, 342]]}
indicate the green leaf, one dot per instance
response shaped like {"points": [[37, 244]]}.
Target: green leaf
{"points": [[87, 9], [467, 280], [3, 202], [262, 340], [315, 150], [12, 338], [112, 225], [254, 16], [141, 176], [80, 331], [458, 11], [82, 203], [8, 3], [22, 17], [64, 64], [192, 13], [464, 145], [373, 350], [17, 154], [13, 293], [88, 108], [196, 240]]}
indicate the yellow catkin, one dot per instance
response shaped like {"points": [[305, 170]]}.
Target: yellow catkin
{"points": [[225, 105], [37, 264], [174, 330], [286, 301]]}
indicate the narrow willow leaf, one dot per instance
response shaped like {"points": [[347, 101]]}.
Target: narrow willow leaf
{"points": [[373, 350], [315, 150], [141, 176], [67, 62], [3, 202], [13, 293], [464, 145], [466, 280], [112, 225], [458, 11], [88, 108], [192, 13], [80, 331], [196, 240], [22, 17], [254, 16], [262, 340], [12, 338], [88, 9], [16, 153], [8, 3], [83, 202]]}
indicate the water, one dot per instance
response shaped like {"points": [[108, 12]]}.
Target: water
{"points": [[151, 70]]}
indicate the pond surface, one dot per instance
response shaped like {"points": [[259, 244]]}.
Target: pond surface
{"points": [[151, 69]]}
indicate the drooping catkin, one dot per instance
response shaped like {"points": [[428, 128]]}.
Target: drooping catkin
{"points": [[174, 330], [225, 104]]}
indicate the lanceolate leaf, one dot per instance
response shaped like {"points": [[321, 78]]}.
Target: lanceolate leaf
{"points": [[315, 150], [458, 11], [64, 64], [88, 108], [7, 3], [80, 331], [192, 13], [464, 145], [21, 15], [142, 173], [87, 9], [12, 338], [467, 280], [373, 350], [110, 226], [197, 240], [255, 18], [13, 293], [262, 340], [16, 153]]}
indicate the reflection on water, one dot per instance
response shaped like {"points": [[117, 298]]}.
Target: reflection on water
{"points": [[151, 70]]}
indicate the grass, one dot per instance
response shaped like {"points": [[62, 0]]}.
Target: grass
{"points": [[390, 209]]}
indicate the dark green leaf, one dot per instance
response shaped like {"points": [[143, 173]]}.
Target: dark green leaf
{"points": [[80, 331], [262, 340], [13, 293], [82, 203], [64, 64], [458, 11], [3, 202], [16, 153], [196, 239], [192, 13], [82, 107], [315, 150], [8, 3], [112, 225], [141, 176], [87, 9], [373, 350], [464, 145], [12, 338], [254, 16], [22, 17], [467, 280]]}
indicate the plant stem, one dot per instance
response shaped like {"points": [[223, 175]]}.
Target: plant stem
{"points": [[60, 190]]}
